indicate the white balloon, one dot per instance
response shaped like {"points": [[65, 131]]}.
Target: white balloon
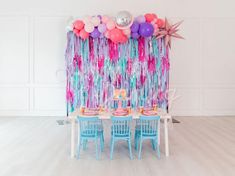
{"points": [[95, 21], [126, 31], [89, 27], [69, 26], [86, 19]]}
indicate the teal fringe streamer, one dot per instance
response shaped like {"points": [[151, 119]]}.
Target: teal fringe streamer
{"points": [[96, 67]]}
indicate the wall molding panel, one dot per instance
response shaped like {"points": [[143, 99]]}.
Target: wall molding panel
{"points": [[24, 95]]}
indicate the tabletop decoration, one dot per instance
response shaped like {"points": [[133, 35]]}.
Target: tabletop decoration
{"points": [[91, 111], [149, 113], [120, 96], [128, 53]]}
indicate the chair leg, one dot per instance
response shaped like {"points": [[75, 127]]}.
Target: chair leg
{"points": [[102, 142], [129, 145], [140, 149], [153, 141], [135, 141], [158, 151], [78, 148], [96, 148], [100, 147], [112, 147], [84, 144]]}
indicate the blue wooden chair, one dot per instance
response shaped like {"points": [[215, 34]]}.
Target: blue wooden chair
{"points": [[91, 128], [147, 127], [120, 130]]}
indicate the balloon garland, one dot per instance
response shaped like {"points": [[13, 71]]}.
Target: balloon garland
{"points": [[126, 53]]}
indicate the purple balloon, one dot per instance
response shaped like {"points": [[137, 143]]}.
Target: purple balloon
{"points": [[95, 33], [135, 35], [146, 29], [102, 28], [100, 17], [140, 19], [102, 35], [135, 26]]}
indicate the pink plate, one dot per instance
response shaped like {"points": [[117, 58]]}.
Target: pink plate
{"points": [[149, 113], [120, 113]]}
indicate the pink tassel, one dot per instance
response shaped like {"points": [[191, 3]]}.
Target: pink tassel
{"points": [[142, 78], [129, 66], [70, 96], [113, 51], [151, 65], [165, 65], [90, 81], [79, 63], [91, 49], [141, 49], [118, 80], [101, 64]]}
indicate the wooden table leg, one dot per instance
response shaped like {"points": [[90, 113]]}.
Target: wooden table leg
{"points": [[166, 137]]}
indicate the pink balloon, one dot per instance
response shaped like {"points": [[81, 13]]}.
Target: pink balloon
{"points": [[107, 34], [116, 35], [149, 17], [78, 24], [105, 19], [76, 32], [123, 39], [154, 20], [154, 15], [155, 26], [126, 31], [110, 25], [83, 34], [160, 23], [89, 27]]}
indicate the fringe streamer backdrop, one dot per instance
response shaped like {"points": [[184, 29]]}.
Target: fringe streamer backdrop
{"points": [[96, 67]]}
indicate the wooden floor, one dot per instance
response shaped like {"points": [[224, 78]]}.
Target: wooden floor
{"points": [[40, 147]]}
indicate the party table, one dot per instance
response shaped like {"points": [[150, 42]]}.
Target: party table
{"points": [[106, 116]]}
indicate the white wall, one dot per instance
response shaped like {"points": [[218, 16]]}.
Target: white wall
{"points": [[32, 44]]}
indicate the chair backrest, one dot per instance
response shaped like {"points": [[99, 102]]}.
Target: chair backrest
{"points": [[121, 125], [149, 125], [89, 126]]}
